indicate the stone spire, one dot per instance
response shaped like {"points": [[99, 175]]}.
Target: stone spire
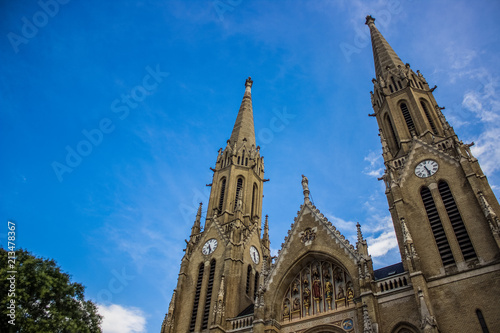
{"points": [[243, 129], [360, 235], [361, 245], [383, 54], [265, 238], [195, 230]]}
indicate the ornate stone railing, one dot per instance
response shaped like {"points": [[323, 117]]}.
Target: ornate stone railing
{"points": [[240, 323], [393, 282]]}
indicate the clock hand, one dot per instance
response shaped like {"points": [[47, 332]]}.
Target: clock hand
{"points": [[209, 248], [428, 171]]}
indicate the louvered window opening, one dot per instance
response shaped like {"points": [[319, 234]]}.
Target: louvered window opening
{"points": [[391, 128], [222, 191], [249, 273], [196, 299], [256, 285], [456, 222], [239, 185], [206, 310], [437, 227], [254, 195], [428, 115], [407, 116]]}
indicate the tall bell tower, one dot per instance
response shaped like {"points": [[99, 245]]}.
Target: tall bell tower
{"points": [[445, 214], [220, 271]]}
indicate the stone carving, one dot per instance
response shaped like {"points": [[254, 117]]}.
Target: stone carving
{"points": [[314, 290], [308, 235], [296, 304]]}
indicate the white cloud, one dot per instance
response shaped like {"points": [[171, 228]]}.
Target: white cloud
{"points": [[379, 246], [118, 319], [376, 167], [484, 105]]}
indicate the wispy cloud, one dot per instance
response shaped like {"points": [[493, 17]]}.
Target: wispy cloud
{"points": [[376, 166], [483, 105], [119, 319]]}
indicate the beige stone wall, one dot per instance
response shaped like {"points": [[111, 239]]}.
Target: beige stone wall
{"points": [[455, 301], [395, 308]]}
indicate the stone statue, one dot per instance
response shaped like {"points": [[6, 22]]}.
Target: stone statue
{"points": [[340, 294], [316, 288], [329, 290], [305, 183]]}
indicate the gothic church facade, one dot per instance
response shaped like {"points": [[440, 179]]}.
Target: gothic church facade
{"points": [[445, 216]]}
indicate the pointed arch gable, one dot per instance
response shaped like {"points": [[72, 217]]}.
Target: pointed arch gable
{"points": [[281, 283]]}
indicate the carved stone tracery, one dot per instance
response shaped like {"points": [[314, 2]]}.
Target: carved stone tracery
{"points": [[318, 288]]}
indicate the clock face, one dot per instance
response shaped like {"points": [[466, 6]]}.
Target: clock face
{"points": [[426, 168], [209, 246], [254, 254]]}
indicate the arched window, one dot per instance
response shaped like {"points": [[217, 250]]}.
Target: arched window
{"points": [[319, 287], [391, 130], [437, 227], [206, 309], [243, 157], [482, 322], [394, 83], [407, 116], [196, 298], [222, 191], [239, 186], [429, 118], [256, 285], [456, 221], [249, 274], [254, 198]]}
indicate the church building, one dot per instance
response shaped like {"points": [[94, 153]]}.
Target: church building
{"points": [[445, 216]]}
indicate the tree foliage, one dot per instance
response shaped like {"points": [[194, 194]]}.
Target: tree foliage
{"points": [[46, 299]]}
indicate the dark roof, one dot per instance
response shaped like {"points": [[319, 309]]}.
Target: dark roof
{"points": [[384, 272], [247, 311]]}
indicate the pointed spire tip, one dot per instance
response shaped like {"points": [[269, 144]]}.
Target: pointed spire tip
{"points": [[370, 19]]}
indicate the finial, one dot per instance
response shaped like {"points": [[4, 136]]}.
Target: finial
{"points": [[305, 187], [248, 82], [248, 86], [370, 20]]}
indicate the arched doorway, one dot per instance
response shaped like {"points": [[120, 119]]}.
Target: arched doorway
{"points": [[325, 329]]}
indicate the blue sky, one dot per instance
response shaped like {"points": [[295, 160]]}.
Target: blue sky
{"points": [[116, 218]]}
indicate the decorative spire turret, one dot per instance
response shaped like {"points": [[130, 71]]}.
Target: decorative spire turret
{"points": [[361, 245], [195, 230], [428, 324], [265, 237], [243, 130]]}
